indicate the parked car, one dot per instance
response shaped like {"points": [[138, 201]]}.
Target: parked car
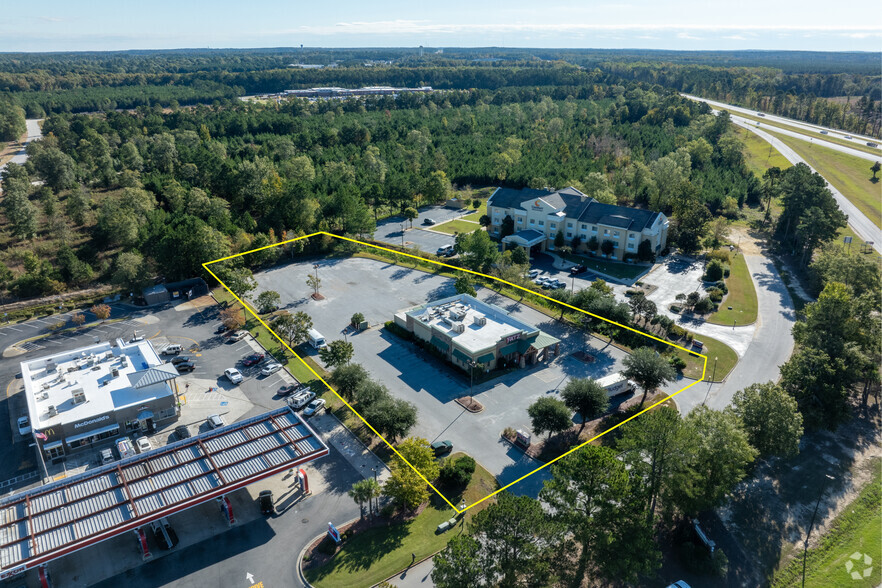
{"points": [[265, 500], [215, 421], [187, 366], [428, 222], [253, 359], [180, 359], [124, 446], [173, 349], [314, 407], [238, 335], [24, 426], [143, 444], [577, 269], [105, 456], [233, 375], [301, 399], [556, 284], [678, 584], [533, 274], [220, 330], [182, 432], [442, 447], [445, 250], [289, 389], [270, 369], [540, 281]]}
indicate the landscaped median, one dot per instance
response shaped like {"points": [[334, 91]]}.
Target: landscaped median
{"points": [[376, 553], [741, 296]]}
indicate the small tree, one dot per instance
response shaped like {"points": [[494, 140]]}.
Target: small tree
{"points": [[78, 319], [771, 419], [519, 256], [714, 271], [692, 299], [476, 203], [391, 417], [644, 251], [649, 369], [314, 282], [586, 397], [356, 319], [361, 493], [411, 213], [267, 301], [368, 393], [232, 317], [875, 169], [300, 328], [102, 311], [405, 486], [549, 415], [336, 353], [559, 240], [347, 378], [484, 221], [464, 285], [508, 226], [607, 247]]}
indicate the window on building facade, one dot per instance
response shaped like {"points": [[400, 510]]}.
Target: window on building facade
{"points": [[593, 229], [569, 225], [606, 232], [615, 245], [615, 233], [520, 221], [584, 226], [631, 236], [569, 235], [541, 223], [54, 452], [630, 246], [553, 225], [532, 221]]}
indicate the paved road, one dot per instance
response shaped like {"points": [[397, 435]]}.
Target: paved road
{"points": [[770, 347], [34, 133], [863, 226], [786, 121]]}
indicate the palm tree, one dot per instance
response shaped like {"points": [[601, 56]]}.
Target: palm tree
{"points": [[362, 492], [375, 491]]}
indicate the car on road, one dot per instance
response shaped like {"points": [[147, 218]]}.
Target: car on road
{"points": [[233, 375], [533, 274], [187, 366], [253, 359], [578, 269], [289, 389], [270, 369], [215, 421], [871, 144], [180, 359], [182, 432], [760, 114], [846, 136], [24, 426], [428, 222], [823, 132], [238, 335], [265, 500], [143, 444], [301, 399], [314, 407], [442, 447]]}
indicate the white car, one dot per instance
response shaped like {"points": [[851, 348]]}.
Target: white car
{"points": [[233, 375], [314, 407], [238, 335], [215, 421], [143, 444], [270, 369], [533, 274], [24, 426], [301, 399]]}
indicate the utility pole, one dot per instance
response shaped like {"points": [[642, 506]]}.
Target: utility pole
{"points": [[811, 524]]}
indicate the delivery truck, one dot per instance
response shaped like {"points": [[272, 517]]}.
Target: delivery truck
{"points": [[616, 384]]}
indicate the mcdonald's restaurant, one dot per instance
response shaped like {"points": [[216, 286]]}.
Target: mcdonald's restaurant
{"points": [[79, 398]]}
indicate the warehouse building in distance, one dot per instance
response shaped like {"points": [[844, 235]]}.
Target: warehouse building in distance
{"points": [[468, 332], [76, 398]]}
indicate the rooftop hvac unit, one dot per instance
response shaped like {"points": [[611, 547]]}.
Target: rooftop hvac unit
{"points": [[114, 373], [124, 360], [481, 320], [79, 396], [459, 327], [43, 396], [457, 315], [50, 367], [51, 410]]}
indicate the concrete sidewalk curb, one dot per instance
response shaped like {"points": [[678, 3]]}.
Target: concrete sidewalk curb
{"points": [[413, 565], [308, 545]]}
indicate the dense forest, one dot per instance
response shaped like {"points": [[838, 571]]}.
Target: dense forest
{"points": [[800, 85], [146, 186]]}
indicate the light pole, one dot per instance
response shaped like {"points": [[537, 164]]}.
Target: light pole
{"points": [[714, 377], [811, 524], [472, 365], [402, 234]]}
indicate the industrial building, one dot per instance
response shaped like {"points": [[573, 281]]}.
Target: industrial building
{"points": [[469, 332], [80, 397]]}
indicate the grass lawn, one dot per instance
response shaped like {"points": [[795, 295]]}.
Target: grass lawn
{"points": [[725, 355], [375, 554], [759, 155], [741, 297], [616, 269], [475, 216], [457, 226], [849, 174], [857, 145], [857, 529]]}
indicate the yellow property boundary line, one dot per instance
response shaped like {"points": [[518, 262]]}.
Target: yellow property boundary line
{"points": [[485, 276]]}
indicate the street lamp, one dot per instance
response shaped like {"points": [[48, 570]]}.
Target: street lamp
{"points": [[402, 234], [714, 377], [472, 366], [811, 524]]}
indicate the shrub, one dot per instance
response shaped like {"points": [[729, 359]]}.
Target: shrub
{"points": [[388, 511], [715, 294], [327, 547], [726, 272], [677, 362], [509, 432], [721, 285], [714, 271], [677, 332], [704, 306], [719, 254], [675, 308], [457, 474]]}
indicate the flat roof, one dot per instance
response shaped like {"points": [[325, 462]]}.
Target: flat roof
{"points": [[482, 325], [52, 380], [42, 524]]}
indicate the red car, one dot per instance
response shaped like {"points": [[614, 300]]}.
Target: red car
{"points": [[253, 359]]}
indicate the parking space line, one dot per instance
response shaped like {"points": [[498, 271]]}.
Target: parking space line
{"points": [[29, 325], [14, 329]]}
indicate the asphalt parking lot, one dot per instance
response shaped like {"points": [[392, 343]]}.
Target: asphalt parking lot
{"points": [[390, 229], [378, 290]]}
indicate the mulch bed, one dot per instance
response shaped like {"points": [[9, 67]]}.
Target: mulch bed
{"points": [[317, 296], [470, 404]]}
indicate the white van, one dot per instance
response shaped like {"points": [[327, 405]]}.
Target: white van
{"points": [[316, 339], [616, 384], [173, 349], [124, 446]]}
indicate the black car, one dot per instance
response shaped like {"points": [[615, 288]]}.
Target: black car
{"points": [[187, 366], [220, 330], [180, 359], [577, 269], [182, 432], [289, 389], [265, 500]]}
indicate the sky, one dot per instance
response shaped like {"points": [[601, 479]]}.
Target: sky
{"points": [[99, 25]]}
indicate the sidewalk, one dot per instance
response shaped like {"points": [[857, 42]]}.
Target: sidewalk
{"points": [[419, 576], [350, 447]]}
